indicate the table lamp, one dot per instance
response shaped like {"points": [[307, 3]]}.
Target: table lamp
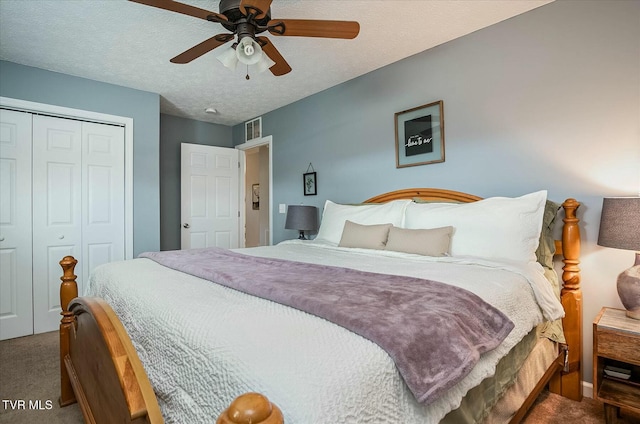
{"points": [[620, 229], [301, 218]]}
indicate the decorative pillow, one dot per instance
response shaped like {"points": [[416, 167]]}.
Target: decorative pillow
{"points": [[547, 246], [427, 242], [364, 236], [335, 215], [493, 228]]}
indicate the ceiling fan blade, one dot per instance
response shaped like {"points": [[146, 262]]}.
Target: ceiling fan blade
{"points": [[314, 28], [281, 66], [185, 9], [261, 7], [205, 47]]}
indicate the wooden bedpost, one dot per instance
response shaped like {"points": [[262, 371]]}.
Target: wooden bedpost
{"points": [[569, 382], [68, 292], [251, 408]]}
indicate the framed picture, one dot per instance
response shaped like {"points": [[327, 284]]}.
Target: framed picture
{"points": [[310, 184], [420, 135], [255, 196], [253, 129]]}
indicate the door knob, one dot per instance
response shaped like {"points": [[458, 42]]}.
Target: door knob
{"points": [[186, 225]]}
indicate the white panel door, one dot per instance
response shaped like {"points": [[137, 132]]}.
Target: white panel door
{"points": [[102, 195], [209, 196], [16, 316], [57, 208]]}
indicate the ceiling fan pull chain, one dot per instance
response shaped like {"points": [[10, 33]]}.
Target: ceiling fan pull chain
{"points": [[248, 77]]}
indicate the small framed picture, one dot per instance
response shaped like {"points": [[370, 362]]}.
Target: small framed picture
{"points": [[255, 196], [310, 184], [420, 135]]}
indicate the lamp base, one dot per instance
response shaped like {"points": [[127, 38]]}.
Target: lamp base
{"points": [[629, 289]]}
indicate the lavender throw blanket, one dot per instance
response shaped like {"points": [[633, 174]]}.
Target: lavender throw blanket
{"points": [[434, 332]]}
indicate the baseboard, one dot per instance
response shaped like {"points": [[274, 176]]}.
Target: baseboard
{"points": [[587, 389]]}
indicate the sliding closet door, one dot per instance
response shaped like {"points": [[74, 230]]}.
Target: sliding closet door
{"points": [[57, 219], [16, 316], [103, 195]]}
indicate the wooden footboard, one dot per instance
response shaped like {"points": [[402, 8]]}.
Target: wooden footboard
{"points": [[100, 368]]}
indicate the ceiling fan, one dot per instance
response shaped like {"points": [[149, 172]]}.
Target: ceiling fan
{"points": [[245, 19]]}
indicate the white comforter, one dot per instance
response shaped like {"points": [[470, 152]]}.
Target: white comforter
{"points": [[203, 344]]}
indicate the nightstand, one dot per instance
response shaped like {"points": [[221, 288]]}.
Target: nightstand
{"points": [[616, 343]]}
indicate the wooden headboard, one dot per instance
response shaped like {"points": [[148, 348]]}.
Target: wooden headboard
{"points": [[569, 382]]}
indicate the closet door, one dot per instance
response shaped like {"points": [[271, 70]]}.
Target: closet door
{"points": [[62, 192], [57, 209], [102, 195], [16, 316]]}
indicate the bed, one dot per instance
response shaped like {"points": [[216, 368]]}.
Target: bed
{"points": [[192, 356]]}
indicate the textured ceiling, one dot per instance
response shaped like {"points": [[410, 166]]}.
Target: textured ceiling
{"points": [[129, 44]]}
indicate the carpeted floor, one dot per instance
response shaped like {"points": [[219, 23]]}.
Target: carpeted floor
{"points": [[29, 372]]}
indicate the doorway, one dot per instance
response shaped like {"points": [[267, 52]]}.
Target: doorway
{"points": [[257, 220]]}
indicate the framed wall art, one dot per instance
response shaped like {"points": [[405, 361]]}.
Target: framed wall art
{"points": [[255, 196], [420, 135], [310, 183]]}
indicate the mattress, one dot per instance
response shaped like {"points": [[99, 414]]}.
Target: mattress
{"points": [[202, 344]]}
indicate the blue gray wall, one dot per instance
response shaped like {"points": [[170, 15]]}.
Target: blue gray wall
{"points": [[547, 100], [173, 132], [38, 85], [543, 100]]}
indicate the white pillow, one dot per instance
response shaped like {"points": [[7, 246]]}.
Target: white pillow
{"points": [[335, 215], [493, 228]]}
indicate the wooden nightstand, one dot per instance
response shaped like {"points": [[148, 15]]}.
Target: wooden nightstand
{"points": [[616, 342]]}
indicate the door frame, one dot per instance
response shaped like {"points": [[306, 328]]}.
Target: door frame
{"points": [[264, 141], [102, 118]]}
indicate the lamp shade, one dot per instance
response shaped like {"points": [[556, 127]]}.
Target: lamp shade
{"points": [[229, 58], [620, 223], [301, 218]]}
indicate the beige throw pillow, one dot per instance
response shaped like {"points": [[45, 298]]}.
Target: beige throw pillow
{"points": [[427, 242], [364, 236]]}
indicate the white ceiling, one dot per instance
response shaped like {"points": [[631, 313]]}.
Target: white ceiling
{"points": [[129, 44]]}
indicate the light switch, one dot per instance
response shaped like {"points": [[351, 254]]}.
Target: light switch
{"points": [[283, 208]]}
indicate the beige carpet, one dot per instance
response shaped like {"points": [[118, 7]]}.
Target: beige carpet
{"points": [[29, 372]]}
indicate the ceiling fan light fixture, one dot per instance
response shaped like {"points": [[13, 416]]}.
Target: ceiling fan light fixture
{"points": [[249, 51], [228, 58], [264, 63]]}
